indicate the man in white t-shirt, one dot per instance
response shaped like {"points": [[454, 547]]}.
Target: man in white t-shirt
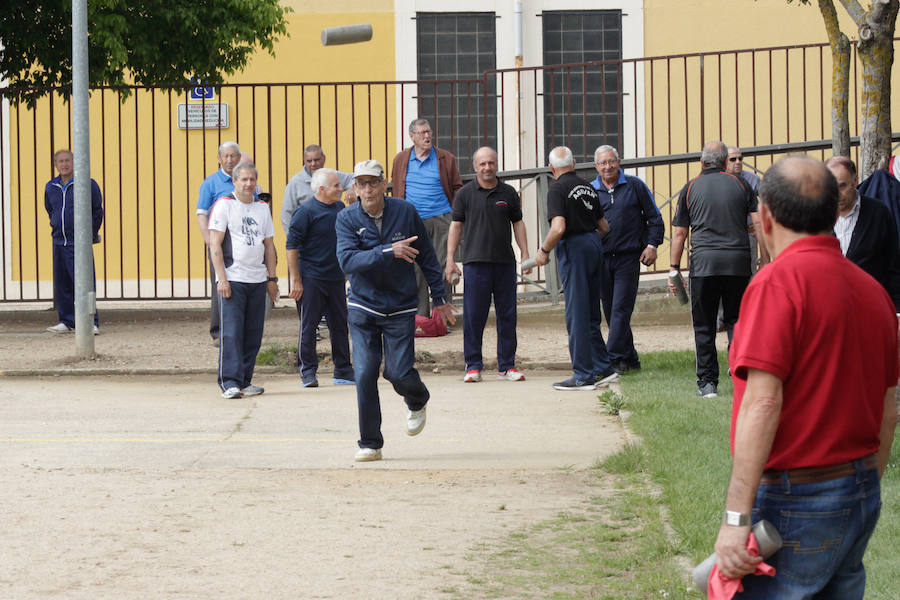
{"points": [[243, 254]]}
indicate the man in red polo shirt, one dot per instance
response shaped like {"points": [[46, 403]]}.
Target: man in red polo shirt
{"points": [[815, 368]]}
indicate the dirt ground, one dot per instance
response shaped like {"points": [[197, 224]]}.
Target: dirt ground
{"points": [[140, 339], [170, 491]]}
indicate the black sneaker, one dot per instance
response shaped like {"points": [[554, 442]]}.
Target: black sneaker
{"points": [[708, 390], [571, 384], [623, 366]]}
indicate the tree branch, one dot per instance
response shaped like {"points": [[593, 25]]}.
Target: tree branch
{"points": [[856, 12]]}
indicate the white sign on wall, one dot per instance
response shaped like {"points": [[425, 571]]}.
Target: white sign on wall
{"points": [[212, 115]]}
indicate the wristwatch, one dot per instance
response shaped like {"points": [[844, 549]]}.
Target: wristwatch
{"points": [[736, 519], [268, 279]]}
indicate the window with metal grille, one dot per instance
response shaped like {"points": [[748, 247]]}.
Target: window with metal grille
{"points": [[582, 105], [453, 48]]}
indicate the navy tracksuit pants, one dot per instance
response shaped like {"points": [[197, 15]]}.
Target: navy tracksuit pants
{"points": [[619, 278], [579, 258], [242, 318], [327, 298], [482, 281], [64, 284]]}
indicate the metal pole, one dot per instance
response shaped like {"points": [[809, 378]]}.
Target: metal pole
{"points": [[84, 263]]}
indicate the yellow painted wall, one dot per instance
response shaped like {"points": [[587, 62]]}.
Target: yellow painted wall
{"points": [[732, 99], [150, 170]]}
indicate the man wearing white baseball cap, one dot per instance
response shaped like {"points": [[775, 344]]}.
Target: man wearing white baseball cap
{"points": [[378, 240]]}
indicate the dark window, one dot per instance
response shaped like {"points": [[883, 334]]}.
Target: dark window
{"points": [[457, 47], [582, 104]]}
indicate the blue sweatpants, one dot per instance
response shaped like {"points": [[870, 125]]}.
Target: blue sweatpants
{"points": [[64, 284], [579, 259], [327, 298], [243, 316], [619, 278], [482, 281]]}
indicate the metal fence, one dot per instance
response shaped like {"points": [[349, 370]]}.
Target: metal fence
{"points": [[152, 147]]}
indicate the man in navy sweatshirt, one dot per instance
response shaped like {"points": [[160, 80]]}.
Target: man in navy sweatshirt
{"points": [[59, 200], [378, 240], [635, 231], [317, 281]]}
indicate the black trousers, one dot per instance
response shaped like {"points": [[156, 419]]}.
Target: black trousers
{"points": [[706, 293]]}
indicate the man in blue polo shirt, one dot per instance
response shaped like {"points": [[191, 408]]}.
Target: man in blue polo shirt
{"points": [[214, 187], [427, 177], [317, 282]]}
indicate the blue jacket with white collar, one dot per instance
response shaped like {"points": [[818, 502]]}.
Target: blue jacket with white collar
{"points": [[634, 220], [381, 284], [59, 201]]}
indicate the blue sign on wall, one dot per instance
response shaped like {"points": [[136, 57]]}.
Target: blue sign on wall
{"points": [[200, 93]]}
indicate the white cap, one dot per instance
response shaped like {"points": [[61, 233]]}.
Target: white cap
{"points": [[369, 167]]}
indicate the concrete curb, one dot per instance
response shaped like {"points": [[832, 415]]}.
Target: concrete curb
{"points": [[265, 370]]}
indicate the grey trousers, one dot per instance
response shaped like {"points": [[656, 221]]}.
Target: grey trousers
{"points": [[438, 228]]}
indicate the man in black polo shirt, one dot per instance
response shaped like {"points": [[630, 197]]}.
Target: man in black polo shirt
{"points": [[576, 224], [715, 206], [482, 213]]}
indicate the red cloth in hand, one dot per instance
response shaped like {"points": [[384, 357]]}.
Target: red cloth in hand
{"points": [[723, 588]]}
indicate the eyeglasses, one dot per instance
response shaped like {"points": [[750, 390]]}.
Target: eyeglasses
{"points": [[365, 184], [605, 163], [735, 158], [423, 132]]}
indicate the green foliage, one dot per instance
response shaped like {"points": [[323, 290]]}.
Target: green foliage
{"points": [[147, 42], [611, 402]]}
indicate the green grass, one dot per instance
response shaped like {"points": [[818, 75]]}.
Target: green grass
{"points": [[615, 550], [688, 457], [619, 548]]}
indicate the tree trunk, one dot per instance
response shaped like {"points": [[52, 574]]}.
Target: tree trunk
{"points": [[876, 54], [840, 80]]}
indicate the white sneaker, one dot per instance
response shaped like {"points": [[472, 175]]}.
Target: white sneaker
{"points": [[415, 421], [96, 330], [472, 376], [511, 375], [367, 454], [252, 390], [60, 328], [232, 392]]}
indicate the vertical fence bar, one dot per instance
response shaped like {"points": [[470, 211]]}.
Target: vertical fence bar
{"points": [[337, 133], [34, 146], [352, 124], [169, 176], [19, 204], [5, 200], [719, 90], [753, 92], [787, 95], [152, 92], [137, 199], [737, 102]]}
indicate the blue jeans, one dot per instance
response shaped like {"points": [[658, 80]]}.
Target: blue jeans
{"points": [[825, 527], [483, 281], [396, 335]]}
